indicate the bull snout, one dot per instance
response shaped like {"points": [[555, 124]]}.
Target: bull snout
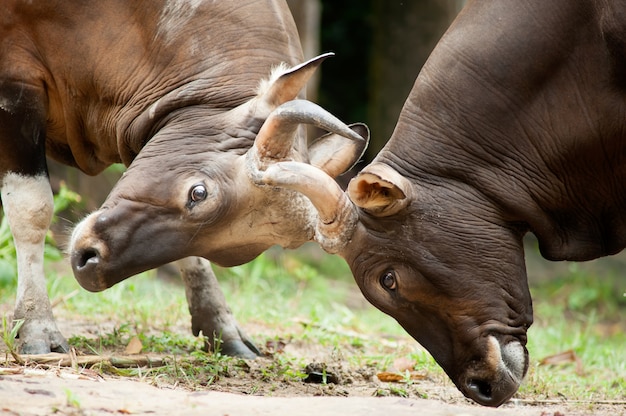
{"points": [[85, 263], [122, 240], [496, 379], [86, 252]]}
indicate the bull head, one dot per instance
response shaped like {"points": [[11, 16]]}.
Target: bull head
{"points": [[192, 190], [401, 240]]}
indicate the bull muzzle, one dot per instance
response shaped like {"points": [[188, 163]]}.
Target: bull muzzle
{"points": [[496, 379], [86, 254]]}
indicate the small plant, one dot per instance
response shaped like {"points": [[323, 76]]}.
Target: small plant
{"points": [[170, 343], [406, 378], [72, 399], [9, 332], [117, 339], [217, 344], [391, 390], [398, 391]]}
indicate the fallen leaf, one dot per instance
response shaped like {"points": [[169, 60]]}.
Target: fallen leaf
{"points": [[568, 356], [134, 346], [564, 357], [389, 377]]}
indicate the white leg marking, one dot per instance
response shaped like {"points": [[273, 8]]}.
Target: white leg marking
{"points": [[28, 205]]}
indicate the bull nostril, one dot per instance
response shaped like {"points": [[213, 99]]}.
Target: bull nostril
{"points": [[86, 257], [481, 389]]}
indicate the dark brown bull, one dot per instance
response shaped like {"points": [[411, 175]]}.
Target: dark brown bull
{"points": [[516, 123], [173, 89]]}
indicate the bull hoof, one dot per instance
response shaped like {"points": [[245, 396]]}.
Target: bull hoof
{"points": [[236, 345], [239, 349], [42, 346], [37, 338]]}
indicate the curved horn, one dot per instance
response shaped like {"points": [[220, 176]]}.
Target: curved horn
{"points": [[276, 137], [334, 154], [337, 214]]}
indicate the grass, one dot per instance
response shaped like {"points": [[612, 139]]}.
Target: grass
{"points": [[306, 298], [9, 332], [282, 291], [584, 314]]}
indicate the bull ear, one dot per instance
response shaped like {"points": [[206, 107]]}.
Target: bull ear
{"points": [[336, 154], [380, 190], [285, 86]]}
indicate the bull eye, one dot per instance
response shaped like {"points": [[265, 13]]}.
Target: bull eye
{"points": [[197, 193], [388, 280]]}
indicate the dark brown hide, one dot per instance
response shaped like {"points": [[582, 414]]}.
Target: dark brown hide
{"points": [[516, 123]]}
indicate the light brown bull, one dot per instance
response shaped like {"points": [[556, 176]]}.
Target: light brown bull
{"points": [[178, 91]]}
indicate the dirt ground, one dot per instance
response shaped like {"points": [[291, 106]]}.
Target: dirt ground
{"points": [[66, 392], [60, 390], [63, 392]]}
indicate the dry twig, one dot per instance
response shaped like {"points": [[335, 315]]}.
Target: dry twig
{"points": [[72, 360]]}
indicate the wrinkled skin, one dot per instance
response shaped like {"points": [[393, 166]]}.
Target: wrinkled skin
{"points": [[516, 123], [209, 207], [170, 88], [139, 213], [445, 275]]}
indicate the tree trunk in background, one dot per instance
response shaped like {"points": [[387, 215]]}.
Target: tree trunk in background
{"points": [[405, 32], [307, 15]]}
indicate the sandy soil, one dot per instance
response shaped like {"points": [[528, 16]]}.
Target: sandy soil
{"points": [[53, 389], [67, 392]]}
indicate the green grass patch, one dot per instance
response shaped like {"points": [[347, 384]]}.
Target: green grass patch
{"points": [[305, 297], [581, 313]]}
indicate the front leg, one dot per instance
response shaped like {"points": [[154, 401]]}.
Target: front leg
{"points": [[28, 206], [209, 312]]}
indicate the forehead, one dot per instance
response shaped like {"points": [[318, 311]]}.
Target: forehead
{"points": [[180, 158], [430, 239]]}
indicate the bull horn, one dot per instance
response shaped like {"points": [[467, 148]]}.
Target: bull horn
{"points": [[337, 214], [276, 136]]}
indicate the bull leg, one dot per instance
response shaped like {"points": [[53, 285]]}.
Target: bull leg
{"points": [[209, 312], [28, 206]]}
